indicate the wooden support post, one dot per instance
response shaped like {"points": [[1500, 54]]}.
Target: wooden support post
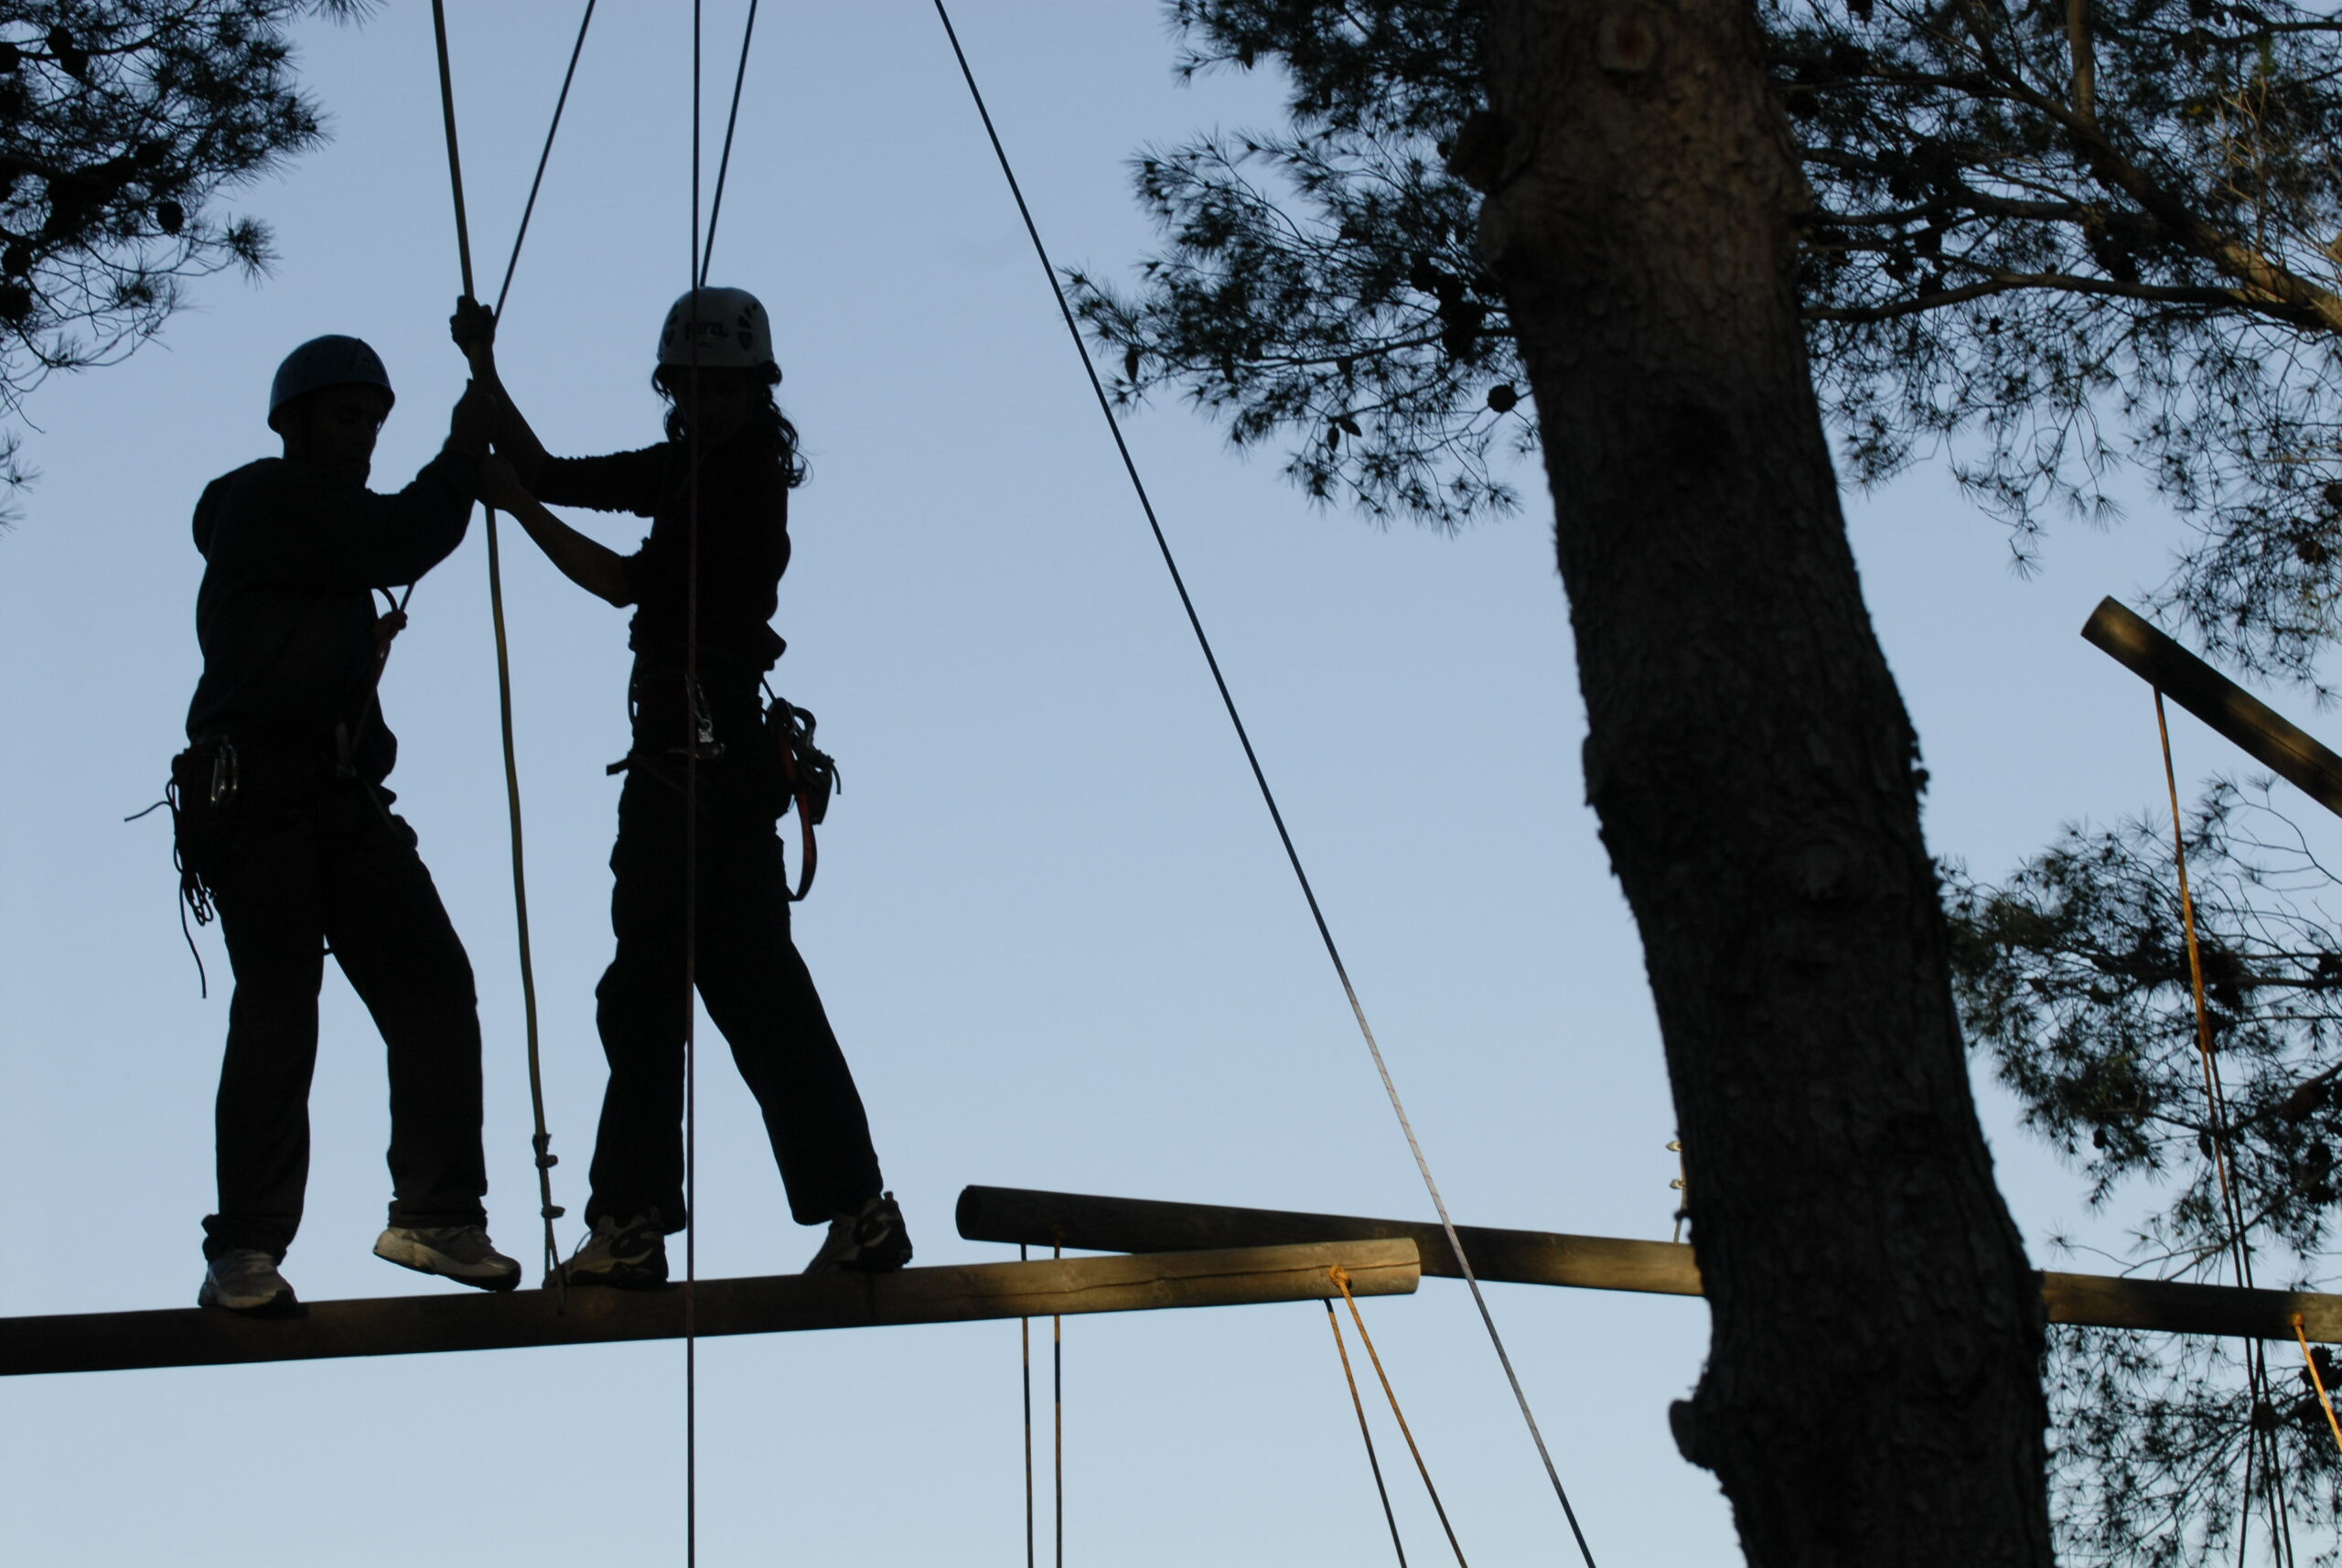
{"points": [[395, 1326], [1592, 1262], [2219, 702]]}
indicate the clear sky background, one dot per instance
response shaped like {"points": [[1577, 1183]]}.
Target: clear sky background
{"points": [[1053, 925]]}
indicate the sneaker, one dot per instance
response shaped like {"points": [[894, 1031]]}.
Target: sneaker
{"points": [[626, 1254], [871, 1240], [459, 1252], [244, 1280]]}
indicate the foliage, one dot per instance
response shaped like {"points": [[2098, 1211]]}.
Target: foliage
{"points": [[121, 123], [2048, 239], [1321, 281], [2073, 976], [2160, 1457]]}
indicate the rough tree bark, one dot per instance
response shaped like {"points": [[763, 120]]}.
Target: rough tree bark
{"points": [[1757, 780]]}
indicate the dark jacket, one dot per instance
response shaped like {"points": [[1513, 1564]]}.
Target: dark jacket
{"points": [[285, 615], [743, 547]]}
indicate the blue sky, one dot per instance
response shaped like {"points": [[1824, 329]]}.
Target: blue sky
{"points": [[1053, 925]]}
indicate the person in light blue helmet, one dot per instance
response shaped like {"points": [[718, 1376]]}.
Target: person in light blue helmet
{"points": [[284, 826]]}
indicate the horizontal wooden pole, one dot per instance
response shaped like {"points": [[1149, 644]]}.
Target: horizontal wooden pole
{"points": [[411, 1324], [2233, 712], [1593, 1263], [1144, 1225]]}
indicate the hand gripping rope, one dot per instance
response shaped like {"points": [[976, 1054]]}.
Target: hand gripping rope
{"points": [[1260, 778], [541, 1140]]}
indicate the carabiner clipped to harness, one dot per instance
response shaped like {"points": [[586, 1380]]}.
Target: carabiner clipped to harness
{"points": [[811, 776]]}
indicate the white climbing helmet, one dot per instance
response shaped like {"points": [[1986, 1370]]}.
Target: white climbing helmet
{"points": [[332, 361], [716, 328]]}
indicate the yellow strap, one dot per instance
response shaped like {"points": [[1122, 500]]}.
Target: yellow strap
{"points": [[2318, 1382]]}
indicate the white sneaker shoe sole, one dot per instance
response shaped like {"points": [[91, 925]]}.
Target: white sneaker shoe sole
{"points": [[410, 1253]]}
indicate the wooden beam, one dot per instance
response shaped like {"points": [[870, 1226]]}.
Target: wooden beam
{"points": [[410, 1324], [2219, 702], [1142, 1225], [1592, 1262]]}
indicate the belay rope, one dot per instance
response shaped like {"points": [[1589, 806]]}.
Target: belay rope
{"points": [[540, 1140], [2231, 1208]]}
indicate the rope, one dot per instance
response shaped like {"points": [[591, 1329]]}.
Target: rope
{"points": [[1268, 796], [529, 207], [2318, 1382], [1341, 1279], [1057, 1401], [2231, 1205], [1359, 1405], [690, 876], [1024, 1343], [724, 164], [540, 1140]]}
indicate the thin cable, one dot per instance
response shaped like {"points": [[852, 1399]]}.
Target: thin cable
{"points": [[691, 872], [1268, 796], [2232, 1205], [2231, 1209], [1056, 1399], [1025, 1343], [541, 1142], [1357, 1404], [455, 159], [1341, 1279], [724, 164], [529, 209]]}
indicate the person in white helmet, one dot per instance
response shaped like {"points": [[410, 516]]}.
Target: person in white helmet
{"points": [[284, 825], [725, 468]]}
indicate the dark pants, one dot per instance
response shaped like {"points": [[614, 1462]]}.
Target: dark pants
{"points": [[756, 991], [298, 863]]}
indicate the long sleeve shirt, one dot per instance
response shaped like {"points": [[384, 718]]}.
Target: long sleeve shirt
{"points": [[286, 613], [743, 521]]}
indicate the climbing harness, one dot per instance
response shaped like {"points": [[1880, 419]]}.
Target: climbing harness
{"points": [[1261, 779], [809, 774]]}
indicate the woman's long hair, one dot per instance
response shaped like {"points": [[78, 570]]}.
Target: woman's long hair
{"points": [[767, 424]]}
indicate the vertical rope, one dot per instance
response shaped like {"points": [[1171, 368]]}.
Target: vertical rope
{"points": [[724, 164], [1268, 796], [541, 1140], [2214, 1100], [1341, 1279], [1359, 1405], [690, 869], [2232, 1205], [1056, 1400], [1025, 1343]]}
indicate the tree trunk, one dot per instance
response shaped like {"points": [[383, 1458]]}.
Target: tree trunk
{"points": [[1757, 784]]}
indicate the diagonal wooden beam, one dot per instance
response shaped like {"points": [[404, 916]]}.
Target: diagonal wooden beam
{"points": [[397, 1326], [1591, 1262], [2230, 710]]}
